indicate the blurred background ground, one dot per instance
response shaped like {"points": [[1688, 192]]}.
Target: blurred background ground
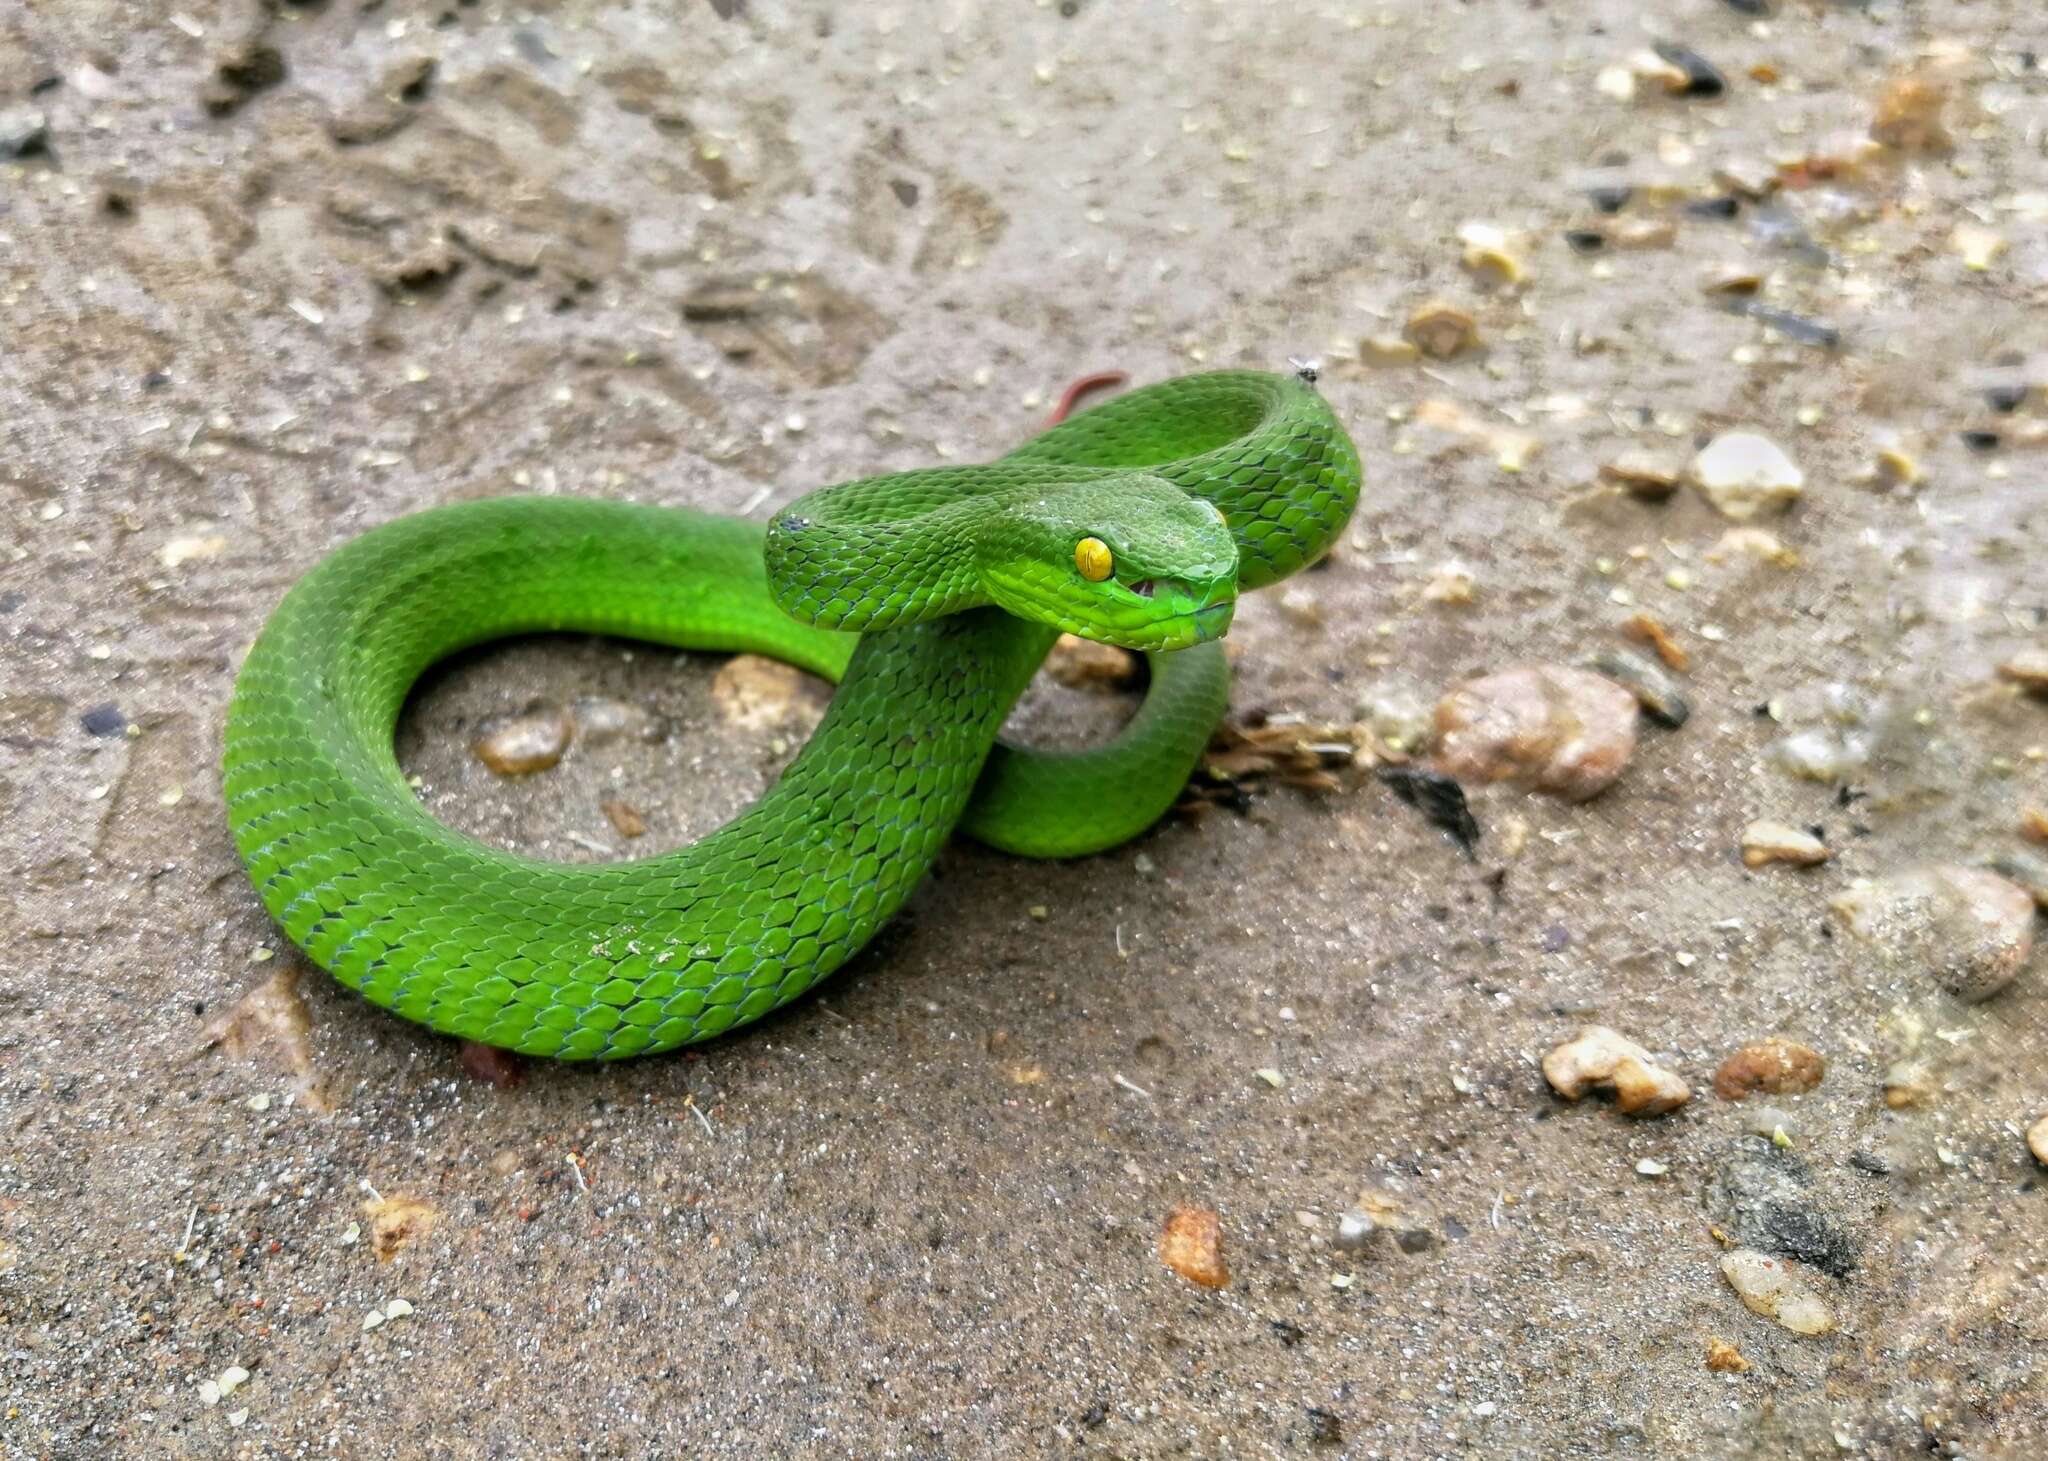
{"points": [[270, 275]]}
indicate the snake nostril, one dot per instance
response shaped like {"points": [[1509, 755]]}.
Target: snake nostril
{"points": [[1142, 588]]}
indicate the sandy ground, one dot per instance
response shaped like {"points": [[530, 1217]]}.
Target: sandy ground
{"points": [[270, 279]]}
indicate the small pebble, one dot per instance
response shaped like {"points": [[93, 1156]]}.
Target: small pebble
{"points": [[1724, 1358], [1354, 1230], [2037, 1140], [1769, 1286], [2029, 670], [1656, 692], [525, 743], [190, 547], [1739, 280], [1743, 474], [1696, 75], [757, 693], [1970, 929], [1450, 582], [625, 819], [1441, 330], [1646, 475], [600, 719], [1764, 843], [104, 720], [1301, 606], [1388, 350], [1755, 543], [1549, 727], [1488, 252], [1774, 1066], [1598, 1057], [1086, 664], [24, 132], [1821, 755], [1191, 1245]]}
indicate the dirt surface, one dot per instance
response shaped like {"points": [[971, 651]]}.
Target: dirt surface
{"points": [[268, 278]]}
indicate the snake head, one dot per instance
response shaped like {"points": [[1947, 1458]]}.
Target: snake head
{"points": [[1129, 559]]}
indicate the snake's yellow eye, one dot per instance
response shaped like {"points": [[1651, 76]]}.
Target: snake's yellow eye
{"points": [[1093, 558]]}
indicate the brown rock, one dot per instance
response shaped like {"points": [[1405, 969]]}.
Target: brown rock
{"points": [[1598, 1057], [1724, 1358], [1192, 1246], [2029, 670], [1970, 929], [625, 819], [1441, 330], [531, 741], [1548, 727], [1646, 475], [756, 693], [1085, 664], [1775, 1067]]}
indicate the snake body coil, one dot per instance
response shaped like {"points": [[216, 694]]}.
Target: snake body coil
{"points": [[931, 596]]}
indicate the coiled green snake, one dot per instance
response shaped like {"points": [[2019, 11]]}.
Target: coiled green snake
{"points": [[931, 596]]}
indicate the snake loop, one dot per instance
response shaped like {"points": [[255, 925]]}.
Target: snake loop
{"points": [[931, 596]]}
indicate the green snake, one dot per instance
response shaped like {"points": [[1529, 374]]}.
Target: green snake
{"points": [[931, 596]]}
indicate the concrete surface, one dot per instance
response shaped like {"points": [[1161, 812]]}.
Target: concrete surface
{"points": [[719, 253]]}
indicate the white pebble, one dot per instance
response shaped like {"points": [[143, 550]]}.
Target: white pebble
{"points": [[1768, 1286], [1742, 474]]}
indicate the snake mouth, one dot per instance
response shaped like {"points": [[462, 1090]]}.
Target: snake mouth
{"points": [[1208, 617], [1212, 621]]}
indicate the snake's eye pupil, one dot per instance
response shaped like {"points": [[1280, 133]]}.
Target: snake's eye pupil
{"points": [[1093, 559]]}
